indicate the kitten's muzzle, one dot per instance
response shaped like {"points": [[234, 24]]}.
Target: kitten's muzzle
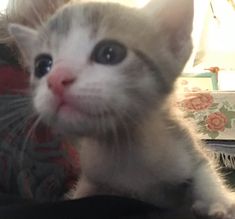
{"points": [[59, 80]]}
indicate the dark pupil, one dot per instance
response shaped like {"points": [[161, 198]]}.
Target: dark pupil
{"points": [[109, 52], [43, 64]]}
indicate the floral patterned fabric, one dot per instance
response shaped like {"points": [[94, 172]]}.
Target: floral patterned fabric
{"points": [[212, 112]]}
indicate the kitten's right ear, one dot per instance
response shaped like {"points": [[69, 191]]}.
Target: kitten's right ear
{"points": [[25, 37], [175, 19]]}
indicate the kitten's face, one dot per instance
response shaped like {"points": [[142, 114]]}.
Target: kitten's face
{"points": [[97, 66]]}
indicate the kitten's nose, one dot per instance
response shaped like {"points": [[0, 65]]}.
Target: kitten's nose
{"points": [[59, 80]]}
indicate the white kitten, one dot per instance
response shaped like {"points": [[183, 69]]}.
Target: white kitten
{"points": [[102, 73]]}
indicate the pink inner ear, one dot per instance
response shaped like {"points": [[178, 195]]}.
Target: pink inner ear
{"points": [[60, 79], [178, 26]]}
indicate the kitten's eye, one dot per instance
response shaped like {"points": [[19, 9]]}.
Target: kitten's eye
{"points": [[109, 52], [43, 64]]}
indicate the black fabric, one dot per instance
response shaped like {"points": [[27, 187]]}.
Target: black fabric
{"points": [[99, 207], [10, 200]]}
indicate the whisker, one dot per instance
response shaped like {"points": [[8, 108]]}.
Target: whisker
{"points": [[15, 121], [10, 122], [116, 147], [23, 91], [13, 106], [14, 114], [128, 136], [23, 121], [20, 128], [129, 118], [27, 137], [13, 102], [15, 96], [10, 100], [101, 126]]}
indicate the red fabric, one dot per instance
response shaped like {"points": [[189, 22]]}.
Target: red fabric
{"points": [[58, 162], [12, 80]]}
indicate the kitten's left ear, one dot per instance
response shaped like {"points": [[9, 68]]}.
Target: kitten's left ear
{"points": [[25, 37], [175, 19]]}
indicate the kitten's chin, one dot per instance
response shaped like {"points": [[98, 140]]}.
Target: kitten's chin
{"points": [[71, 129], [65, 126], [69, 121]]}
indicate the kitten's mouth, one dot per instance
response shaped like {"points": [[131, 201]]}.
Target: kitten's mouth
{"points": [[67, 109]]}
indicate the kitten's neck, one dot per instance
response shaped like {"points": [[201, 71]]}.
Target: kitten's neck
{"points": [[152, 129], [114, 160]]}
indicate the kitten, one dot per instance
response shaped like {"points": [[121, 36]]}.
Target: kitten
{"points": [[103, 73]]}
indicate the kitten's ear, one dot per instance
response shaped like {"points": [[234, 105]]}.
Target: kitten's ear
{"points": [[25, 38], [175, 18]]}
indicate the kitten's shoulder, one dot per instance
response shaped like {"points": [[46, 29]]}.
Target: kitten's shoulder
{"points": [[182, 129]]}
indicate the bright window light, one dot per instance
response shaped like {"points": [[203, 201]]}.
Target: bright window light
{"points": [[3, 5]]}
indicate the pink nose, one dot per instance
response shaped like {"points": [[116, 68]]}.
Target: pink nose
{"points": [[59, 80]]}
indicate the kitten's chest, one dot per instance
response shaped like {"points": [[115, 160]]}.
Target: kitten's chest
{"points": [[131, 170], [114, 165]]}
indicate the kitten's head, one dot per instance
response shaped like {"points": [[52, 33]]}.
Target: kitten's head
{"points": [[95, 66]]}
